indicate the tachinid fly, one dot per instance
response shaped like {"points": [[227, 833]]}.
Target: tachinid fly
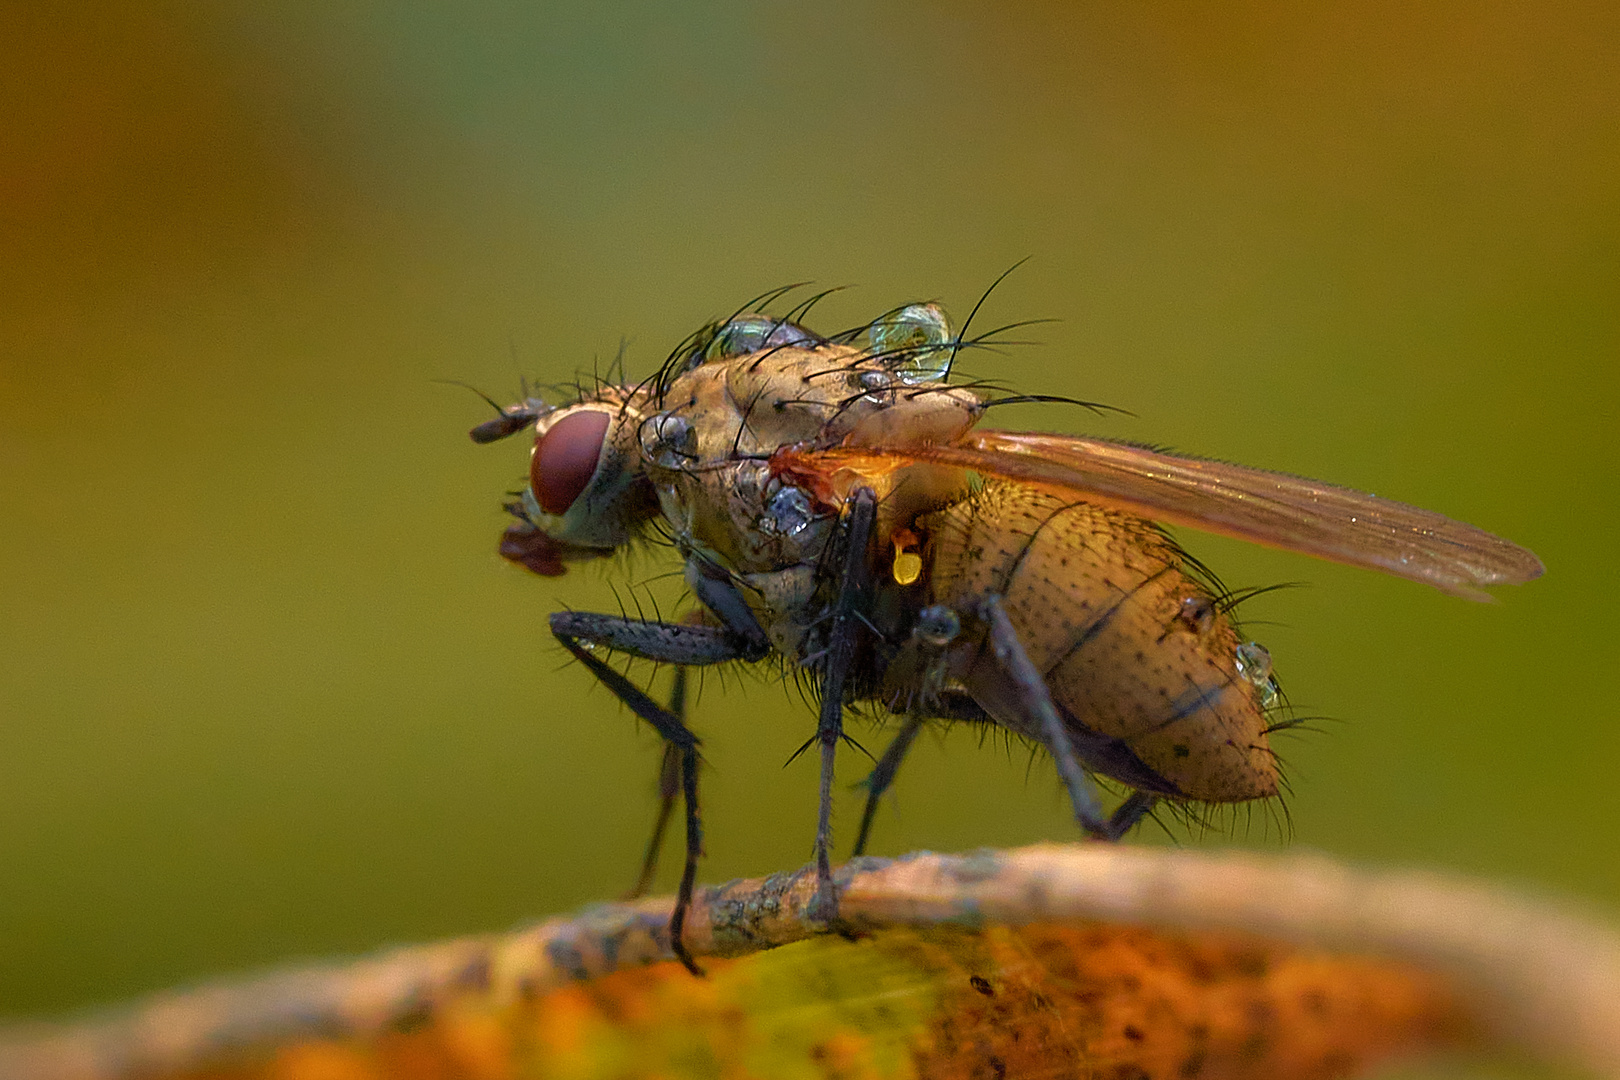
{"points": [[836, 507]]}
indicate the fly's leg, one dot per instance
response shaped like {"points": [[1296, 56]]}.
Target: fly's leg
{"points": [[681, 644], [1037, 703], [1131, 811], [716, 590], [671, 643], [842, 639], [883, 774], [669, 787], [951, 706]]}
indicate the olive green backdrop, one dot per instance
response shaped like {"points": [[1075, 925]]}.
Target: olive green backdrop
{"points": [[265, 689]]}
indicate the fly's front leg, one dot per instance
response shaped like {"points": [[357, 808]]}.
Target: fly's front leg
{"points": [[842, 639], [717, 590], [672, 643], [1036, 702], [720, 595], [669, 787]]}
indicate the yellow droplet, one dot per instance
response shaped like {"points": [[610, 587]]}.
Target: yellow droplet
{"points": [[907, 567]]}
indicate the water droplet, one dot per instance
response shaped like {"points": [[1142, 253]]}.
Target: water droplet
{"points": [[1254, 667], [750, 334], [788, 512], [1254, 662], [918, 337]]}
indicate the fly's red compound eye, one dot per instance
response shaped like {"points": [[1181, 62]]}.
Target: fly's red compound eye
{"points": [[565, 459]]}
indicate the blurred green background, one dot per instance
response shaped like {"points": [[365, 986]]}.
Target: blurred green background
{"points": [[266, 691]]}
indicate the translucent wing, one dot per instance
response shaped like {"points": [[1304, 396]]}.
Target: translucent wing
{"points": [[1269, 508]]}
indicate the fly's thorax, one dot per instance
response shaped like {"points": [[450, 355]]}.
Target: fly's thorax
{"points": [[1146, 670], [823, 395], [716, 424], [840, 395]]}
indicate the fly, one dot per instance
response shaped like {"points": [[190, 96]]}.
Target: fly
{"points": [[837, 507]]}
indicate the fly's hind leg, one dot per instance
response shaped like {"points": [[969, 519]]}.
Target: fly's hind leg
{"points": [[1037, 705], [952, 707], [1136, 807], [883, 774], [672, 643]]}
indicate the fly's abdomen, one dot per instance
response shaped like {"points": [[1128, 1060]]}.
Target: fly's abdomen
{"points": [[1139, 660]]}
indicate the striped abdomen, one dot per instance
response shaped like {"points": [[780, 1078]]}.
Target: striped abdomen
{"points": [[1139, 660]]}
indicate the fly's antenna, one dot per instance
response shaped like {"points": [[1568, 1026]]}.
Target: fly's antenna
{"points": [[951, 362], [491, 402], [512, 354], [510, 419]]}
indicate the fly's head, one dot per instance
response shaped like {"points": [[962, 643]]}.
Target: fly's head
{"points": [[587, 493]]}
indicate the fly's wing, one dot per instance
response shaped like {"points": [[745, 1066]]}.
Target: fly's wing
{"points": [[1275, 509]]}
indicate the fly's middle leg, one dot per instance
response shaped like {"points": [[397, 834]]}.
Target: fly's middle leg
{"points": [[842, 639], [1036, 702]]}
